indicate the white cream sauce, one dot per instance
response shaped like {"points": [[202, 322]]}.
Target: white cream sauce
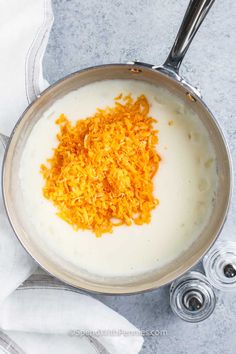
{"points": [[185, 185]]}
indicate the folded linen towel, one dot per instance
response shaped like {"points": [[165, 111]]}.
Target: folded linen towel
{"points": [[53, 314]]}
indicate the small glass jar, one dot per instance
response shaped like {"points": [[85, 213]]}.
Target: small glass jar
{"points": [[220, 265], [192, 297]]}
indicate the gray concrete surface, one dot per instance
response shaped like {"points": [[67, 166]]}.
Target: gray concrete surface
{"points": [[93, 32]]}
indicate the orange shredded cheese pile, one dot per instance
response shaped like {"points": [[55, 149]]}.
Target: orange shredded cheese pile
{"points": [[101, 173]]}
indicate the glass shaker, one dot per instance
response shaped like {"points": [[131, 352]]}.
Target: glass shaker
{"points": [[192, 297], [220, 265]]}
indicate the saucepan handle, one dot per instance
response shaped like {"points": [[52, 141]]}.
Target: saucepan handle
{"points": [[195, 14], [4, 140]]}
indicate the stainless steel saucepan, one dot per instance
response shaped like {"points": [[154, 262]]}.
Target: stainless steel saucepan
{"points": [[166, 76]]}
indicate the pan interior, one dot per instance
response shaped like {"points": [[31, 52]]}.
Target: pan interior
{"points": [[65, 270]]}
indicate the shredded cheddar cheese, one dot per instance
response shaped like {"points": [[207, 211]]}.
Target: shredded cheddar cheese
{"points": [[101, 173]]}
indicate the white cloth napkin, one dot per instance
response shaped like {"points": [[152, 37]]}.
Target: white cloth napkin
{"points": [[15, 264], [48, 344], [44, 305], [49, 312], [24, 29]]}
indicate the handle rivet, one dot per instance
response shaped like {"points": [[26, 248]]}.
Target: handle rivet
{"points": [[135, 70], [190, 97]]}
